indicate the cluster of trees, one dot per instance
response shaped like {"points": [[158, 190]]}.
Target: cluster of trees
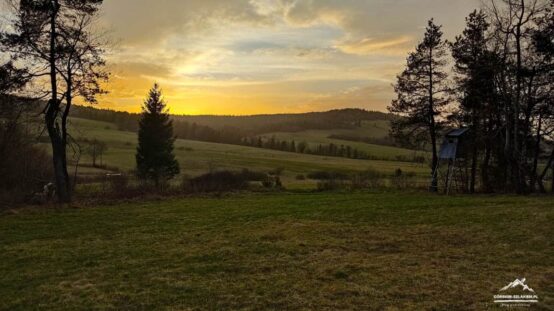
{"points": [[331, 149], [500, 87], [383, 141]]}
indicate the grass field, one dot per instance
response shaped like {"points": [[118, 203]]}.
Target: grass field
{"points": [[372, 129], [279, 251], [199, 157]]}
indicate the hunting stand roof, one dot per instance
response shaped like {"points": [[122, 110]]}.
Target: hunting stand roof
{"points": [[455, 144]]}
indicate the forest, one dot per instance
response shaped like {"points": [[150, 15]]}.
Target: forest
{"points": [[496, 79]]}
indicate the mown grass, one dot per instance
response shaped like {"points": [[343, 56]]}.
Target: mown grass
{"points": [[279, 251]]}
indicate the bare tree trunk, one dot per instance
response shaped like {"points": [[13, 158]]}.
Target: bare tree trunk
{"points": [[474, 157], [433, 130], [536, 156], [518, 175], [485, 170], [474, 153], [549, 165], [63, 188]]}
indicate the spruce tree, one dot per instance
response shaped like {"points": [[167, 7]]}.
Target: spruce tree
{"points": [[422, 93], [155, 158]]}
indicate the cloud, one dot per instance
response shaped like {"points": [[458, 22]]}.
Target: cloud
{"points": [[387, 46], [247, 56], [375, 96]]}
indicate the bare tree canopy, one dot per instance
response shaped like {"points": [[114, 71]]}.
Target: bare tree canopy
{"points": [[55, 42]]}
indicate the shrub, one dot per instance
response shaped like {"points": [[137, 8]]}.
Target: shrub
{"points": [[183, 148], [268, 182], [24, 170], [118, 182], [300, 177], [401, 180], [368, 179], [272, 182], [331, 185], [219, 181], [278, 183], [277, 171], [253, 176], [326, 175]]}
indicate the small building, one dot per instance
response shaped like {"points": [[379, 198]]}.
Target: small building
{"points": [[452, 165], [455, 144]]}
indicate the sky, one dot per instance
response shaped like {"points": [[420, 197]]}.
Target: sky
{"points": [[241, 57]]}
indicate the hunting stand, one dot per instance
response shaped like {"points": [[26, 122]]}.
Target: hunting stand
{"points": [[452, 169]]}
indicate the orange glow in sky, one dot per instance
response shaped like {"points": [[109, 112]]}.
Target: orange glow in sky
{"points": [[266, 56]]}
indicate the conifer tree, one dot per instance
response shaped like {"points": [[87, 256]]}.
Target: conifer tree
{"points": [[155, 158], [475, 69], [422, 93]]}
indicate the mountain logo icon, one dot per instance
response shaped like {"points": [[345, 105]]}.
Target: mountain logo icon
{"points": [[518, 283], [516, 294]]}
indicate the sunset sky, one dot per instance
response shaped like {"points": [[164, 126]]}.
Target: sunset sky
{"points": [[266, 56]]}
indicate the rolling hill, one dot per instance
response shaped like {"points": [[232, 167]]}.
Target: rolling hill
{"points": [[199, 157]]}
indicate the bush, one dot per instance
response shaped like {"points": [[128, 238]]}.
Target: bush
{"points": [[118, 182], [401, 180], [220, 181], [277, 171], [368, 179], [326, 175], [183, 148], [253, 176], [331, 185], [24, 170], [300, 177]]}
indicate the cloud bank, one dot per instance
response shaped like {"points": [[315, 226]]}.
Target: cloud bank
{"points": [[266, 56]]}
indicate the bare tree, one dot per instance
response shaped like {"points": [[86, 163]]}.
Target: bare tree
{"points": [[54, 40], [521, 82]]}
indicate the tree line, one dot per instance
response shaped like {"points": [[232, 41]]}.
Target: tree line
{"points": [[232, 129], [500, 87], [330, 149]]}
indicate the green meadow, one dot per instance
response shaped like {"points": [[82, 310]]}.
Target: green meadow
{"points": [[369, 129], [284, 251], [196, 157]]}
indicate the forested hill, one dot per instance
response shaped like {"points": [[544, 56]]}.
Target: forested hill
{"points": [[246, 125], [259, 124]]}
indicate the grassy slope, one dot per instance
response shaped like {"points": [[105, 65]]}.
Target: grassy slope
{"points": [[204, 156], [373, 129], [279, 251]]}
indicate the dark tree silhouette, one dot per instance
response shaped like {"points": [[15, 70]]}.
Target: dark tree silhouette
{"points": [[422, 93], [475, 70], [524, 83], [155, 158], [54, 39], [11, 109], [96, 149]]}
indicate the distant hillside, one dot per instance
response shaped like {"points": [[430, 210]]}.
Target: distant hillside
{"points": [[247, 125], [259, 124]]}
